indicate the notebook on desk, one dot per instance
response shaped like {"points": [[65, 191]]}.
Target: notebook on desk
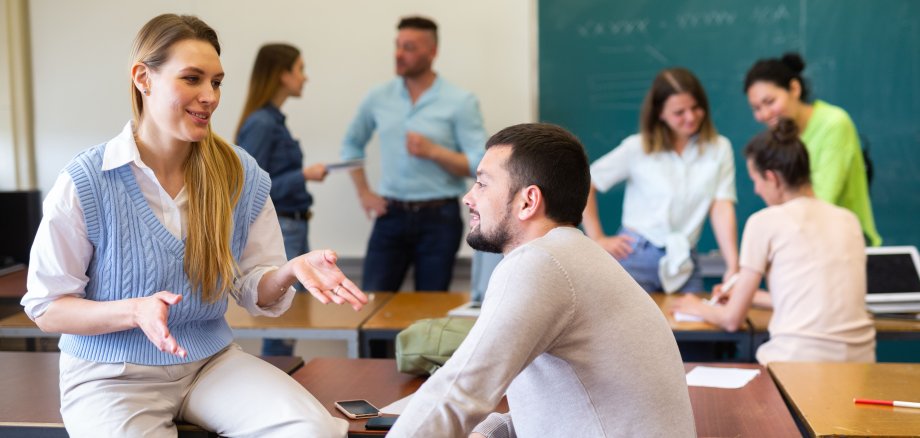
{"points": [[892, 279], [470, 309]]}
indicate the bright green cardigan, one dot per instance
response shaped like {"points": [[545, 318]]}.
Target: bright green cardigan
{"points": [[838, 173]]}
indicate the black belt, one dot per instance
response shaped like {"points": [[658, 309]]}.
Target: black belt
{"points": [[296, 215], [419, 205]]}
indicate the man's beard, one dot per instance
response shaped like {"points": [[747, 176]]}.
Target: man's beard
{"points": [[494, 242]]}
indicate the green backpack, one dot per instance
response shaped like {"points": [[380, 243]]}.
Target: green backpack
{"points": [[426, 345]]}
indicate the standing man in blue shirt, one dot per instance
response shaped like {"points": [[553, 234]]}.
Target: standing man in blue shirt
{"points": [[432, 137]]}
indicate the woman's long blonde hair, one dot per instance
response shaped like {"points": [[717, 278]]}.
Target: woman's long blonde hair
{"points": [[656, 134], [213, 172], [271, 61]]}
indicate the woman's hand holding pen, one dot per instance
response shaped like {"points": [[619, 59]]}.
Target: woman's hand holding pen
{"points": [[722, 291], [151, 314]]}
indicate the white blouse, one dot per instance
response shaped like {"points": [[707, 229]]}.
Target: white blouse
{"points": [[668, 192], [669, 195], [61, 252]]}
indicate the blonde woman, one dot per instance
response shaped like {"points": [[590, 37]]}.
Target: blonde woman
{"points": [[278, 74], [678, 171], [144, 238]]}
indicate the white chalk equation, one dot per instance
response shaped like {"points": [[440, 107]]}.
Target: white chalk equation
{"points": [[771, 15], [705, 19], [612, 27], [686, 21]]}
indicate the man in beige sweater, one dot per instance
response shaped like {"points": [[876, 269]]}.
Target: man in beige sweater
{"points": [[579, 347]]}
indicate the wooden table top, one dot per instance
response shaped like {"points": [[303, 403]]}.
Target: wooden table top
{"points": [[822, 396], [755, 410], [374, 380], [892, 325], [407, 307], [665, 301], [13, 285], [307, 312], [18, 320]]}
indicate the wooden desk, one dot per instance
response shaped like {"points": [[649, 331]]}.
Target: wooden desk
{"points": [[307, 319], [892, 329], [755, 410], [12, 288], [18, 325], [703, 331], [30, 399], [375, 380], [404, 309], [13, 285], [821, 395]]}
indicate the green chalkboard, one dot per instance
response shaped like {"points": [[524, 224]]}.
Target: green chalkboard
{"points": [[598, 57]]}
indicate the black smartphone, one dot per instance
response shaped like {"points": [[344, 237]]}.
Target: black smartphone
{"points": [[356, 409], [380, 423]]}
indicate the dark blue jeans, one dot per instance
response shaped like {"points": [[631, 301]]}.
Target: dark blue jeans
{"points": [[642, 265], [427, 238]]}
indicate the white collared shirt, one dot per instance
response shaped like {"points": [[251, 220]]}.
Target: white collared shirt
{"points": [[666, 192], [61, 252]]}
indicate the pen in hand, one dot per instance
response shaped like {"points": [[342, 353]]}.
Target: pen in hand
{"points": [[725, 288]]}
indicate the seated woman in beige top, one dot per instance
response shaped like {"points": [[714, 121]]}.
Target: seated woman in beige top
{"points": [[813, 256]]}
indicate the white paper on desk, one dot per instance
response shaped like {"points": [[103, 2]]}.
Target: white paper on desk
{"points": [[344, 165], [397, 407], [686, 317], [714, 377]]}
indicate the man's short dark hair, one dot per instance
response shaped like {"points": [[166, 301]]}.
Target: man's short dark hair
{"points": [[419, 23], [552, 159]]}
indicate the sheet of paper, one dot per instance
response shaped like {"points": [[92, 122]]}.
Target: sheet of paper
{"points": [[686, 317], [714, 377], [469, 310], [396, 408], [344, 165]]}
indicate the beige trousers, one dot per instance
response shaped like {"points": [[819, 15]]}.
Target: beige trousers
{"points": [[231, 393]]}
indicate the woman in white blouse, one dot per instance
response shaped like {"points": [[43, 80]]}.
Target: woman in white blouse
{"points": [[678, 171]]}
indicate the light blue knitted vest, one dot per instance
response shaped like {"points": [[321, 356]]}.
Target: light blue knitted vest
{"points": [[134, 255]]}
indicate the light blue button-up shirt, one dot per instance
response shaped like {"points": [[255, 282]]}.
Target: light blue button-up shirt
{"points": [[445, 114]]}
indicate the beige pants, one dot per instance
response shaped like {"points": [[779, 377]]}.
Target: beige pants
{"points": [[231, 393]]}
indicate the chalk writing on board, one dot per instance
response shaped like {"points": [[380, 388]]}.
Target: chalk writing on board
{"points": [[705, 19], [761, 15], [593, 28], [766, 15]]}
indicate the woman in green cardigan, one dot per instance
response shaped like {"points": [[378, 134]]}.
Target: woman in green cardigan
{"points": [[775, 88]]}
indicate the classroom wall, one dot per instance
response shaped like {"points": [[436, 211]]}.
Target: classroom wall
{"points": [[17, 171], [7, 174], [81, 60]]}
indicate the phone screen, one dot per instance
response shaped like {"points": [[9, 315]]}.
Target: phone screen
{"points": [[359, 408]]}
